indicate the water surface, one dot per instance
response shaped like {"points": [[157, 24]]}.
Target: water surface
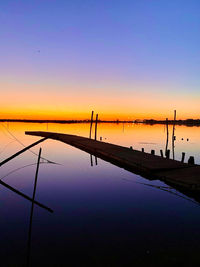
{"points": [[102, 214]]}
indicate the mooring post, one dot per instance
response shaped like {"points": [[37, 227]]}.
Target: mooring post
{"points": [[168, 153], [143, 149], [96, 161], [91, 121], [191, 160], [166, 148], [95, 136], [161, 153], [173, 135], [183, 157], [152, 152]]}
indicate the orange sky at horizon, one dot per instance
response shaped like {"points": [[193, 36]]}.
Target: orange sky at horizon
{"points": [[28, 103]]}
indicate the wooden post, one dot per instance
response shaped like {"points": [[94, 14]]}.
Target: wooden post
{"points": [[191, 160], [183, 157], [96, 161], [167, 140], [143, 149], [173, 135], [152, 152], [91, 121], [95, 136], [161, 153], [167, 153]]}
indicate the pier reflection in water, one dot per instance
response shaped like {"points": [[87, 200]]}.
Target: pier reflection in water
{"points": [[103, 215]]}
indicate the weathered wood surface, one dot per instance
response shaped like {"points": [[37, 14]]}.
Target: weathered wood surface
{"points": [[145, 164]]}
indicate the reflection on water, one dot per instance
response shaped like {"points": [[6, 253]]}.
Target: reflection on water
{"points": [[168, 189], [103, 216]]}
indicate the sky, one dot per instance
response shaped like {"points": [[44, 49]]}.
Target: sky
{"points": [[124, 59]]}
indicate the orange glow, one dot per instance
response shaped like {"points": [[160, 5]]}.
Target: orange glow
{"points": [[123, 134], [23, 103], [126, 134]]}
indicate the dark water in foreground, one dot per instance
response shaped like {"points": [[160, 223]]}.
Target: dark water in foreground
{"points": [[102, 215]]}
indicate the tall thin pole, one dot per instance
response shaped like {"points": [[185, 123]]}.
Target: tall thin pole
{"points": [[167, 139], [91, 121], [95, 136], [173, 135]]}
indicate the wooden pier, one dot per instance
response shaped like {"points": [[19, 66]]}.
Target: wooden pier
{"points": [[145, 164]]}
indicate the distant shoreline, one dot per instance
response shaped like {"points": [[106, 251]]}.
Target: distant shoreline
{"points": [[188, 122]]}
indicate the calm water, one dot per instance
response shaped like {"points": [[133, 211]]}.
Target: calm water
{"points": [[102, 215]]}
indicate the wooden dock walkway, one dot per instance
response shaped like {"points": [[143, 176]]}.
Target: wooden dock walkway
{"points": [[145, 164]]}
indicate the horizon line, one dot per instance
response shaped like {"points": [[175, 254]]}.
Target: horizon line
{"points": [[89, 120]]}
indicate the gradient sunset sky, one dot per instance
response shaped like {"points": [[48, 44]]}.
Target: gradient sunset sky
{"points": [[126, 59]]}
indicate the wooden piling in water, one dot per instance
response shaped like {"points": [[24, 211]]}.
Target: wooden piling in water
{"points": [[168, 153], [167, 139], [95, 135], [183, 157], [173, 136], [91, 121], [161, 153], [143, 149], [191, 160]]}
